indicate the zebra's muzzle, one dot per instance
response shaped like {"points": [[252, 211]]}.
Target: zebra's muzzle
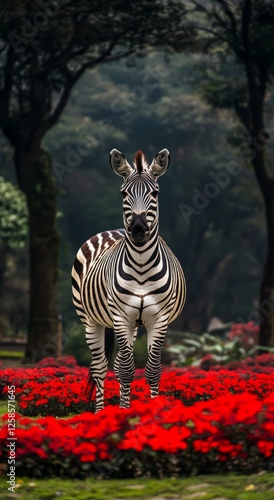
{"points": [[138, 229]]}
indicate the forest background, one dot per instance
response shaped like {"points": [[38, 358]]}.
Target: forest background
{"points": [[211, 208]]}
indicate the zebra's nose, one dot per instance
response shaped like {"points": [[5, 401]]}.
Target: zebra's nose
{"points": [[138, 228]]}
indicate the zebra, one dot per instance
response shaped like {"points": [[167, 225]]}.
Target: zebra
{"points": [[125, 278]]}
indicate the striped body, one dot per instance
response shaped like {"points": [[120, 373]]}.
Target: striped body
{"points": [[128, 277], [142, 292]]}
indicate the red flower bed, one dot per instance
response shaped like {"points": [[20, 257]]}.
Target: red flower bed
{"points": [[221, 433], [202, 421], [60, 392]]}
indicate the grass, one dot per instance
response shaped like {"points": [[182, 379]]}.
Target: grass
{"points": [[212, 487], [11, 355], [3, 407]]}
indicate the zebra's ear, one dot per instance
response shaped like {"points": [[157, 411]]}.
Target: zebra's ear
{"points": [[119, 163], [160, 163]]}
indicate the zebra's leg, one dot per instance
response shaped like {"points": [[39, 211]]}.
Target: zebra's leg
{"points": [[117, 359], [124, 366], [95, 338], [155, 340], [116, 366]]}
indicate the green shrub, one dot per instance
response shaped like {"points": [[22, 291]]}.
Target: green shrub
{"points": [[198, 349]]}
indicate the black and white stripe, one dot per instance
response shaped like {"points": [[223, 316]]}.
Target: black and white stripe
{"points": [[129, 277]]}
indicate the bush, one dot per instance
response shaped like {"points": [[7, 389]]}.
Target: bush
{"points": [[69, 361], [206, 350], [246, 333]]}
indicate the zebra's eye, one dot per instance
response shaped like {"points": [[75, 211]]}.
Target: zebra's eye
{"points": [[154, 193], [124, 194]]}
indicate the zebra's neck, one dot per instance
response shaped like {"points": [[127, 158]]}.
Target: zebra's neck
{"points": [[142, 255]]}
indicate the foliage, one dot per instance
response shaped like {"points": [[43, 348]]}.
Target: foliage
{"points": [[194, 348], [247, 334], [233, 33], [262, 363], [68, 361], [208, 349], [13, 211]]}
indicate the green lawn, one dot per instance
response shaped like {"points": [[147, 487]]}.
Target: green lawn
{"points": [[11, 355], [236, 487], [3, 407]]}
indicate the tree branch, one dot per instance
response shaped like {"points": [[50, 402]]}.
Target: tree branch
{"points": [[63, 99], [225, 7], [71, 79]]}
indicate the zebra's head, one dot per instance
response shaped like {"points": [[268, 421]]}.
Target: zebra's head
{"points": [[140, 192]]}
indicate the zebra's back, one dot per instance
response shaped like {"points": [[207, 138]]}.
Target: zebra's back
{"points": [[87, 259]]}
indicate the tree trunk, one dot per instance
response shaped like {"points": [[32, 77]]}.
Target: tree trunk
{"points": [[266, 305], [266, 184], [39, 184], [267, 285]]}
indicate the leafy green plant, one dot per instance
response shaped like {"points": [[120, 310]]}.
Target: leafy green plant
{"points": [[13, 208], [206, 349]]}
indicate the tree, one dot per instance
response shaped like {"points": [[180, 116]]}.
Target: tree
{"points": [[44, 50], [239, 38]]}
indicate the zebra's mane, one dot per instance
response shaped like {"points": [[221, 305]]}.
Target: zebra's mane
{"points": [[140, 161]]}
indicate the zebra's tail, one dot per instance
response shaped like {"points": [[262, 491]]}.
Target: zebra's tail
{"points": [[109, 346]]}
